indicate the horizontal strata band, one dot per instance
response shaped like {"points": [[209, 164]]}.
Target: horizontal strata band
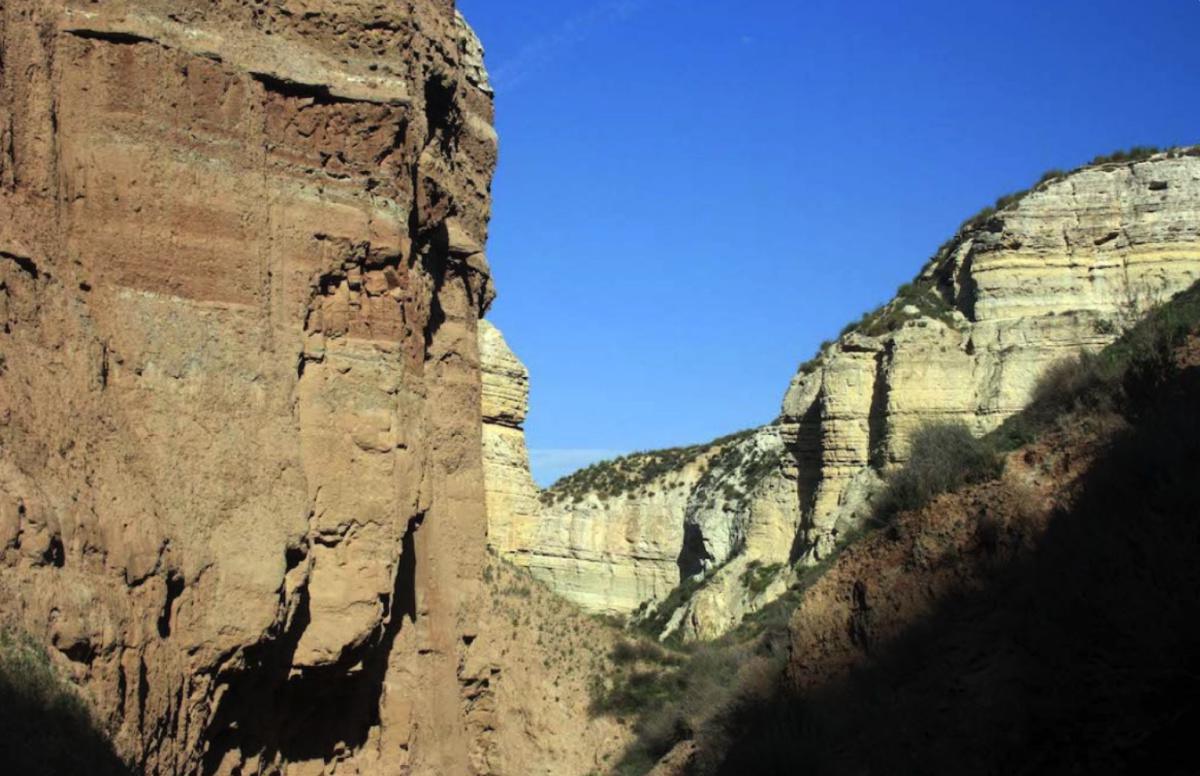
{"points": [[283, 63]]}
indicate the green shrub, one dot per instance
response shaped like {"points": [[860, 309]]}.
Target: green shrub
{"points": [[1135, 154], [943, 457], [635, 691], [920, 293], [624, 475], [811, 365], [668, 705], [1088, 381], [637, 650], [736, 471], [1010, 199], [1051, 175], [757, 577]]}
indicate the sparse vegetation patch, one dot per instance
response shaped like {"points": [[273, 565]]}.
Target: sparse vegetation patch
{"points": [[919, 298], [943, 457], [45, 727], [676, 692], [624, 475], [1091, 384], [758, 577], [654, 620]]}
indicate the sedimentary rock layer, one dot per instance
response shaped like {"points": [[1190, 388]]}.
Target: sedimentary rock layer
{"points": [[512, 496], [240, 274], [1064, 268]]}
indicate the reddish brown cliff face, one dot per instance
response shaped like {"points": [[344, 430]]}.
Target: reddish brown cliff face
{"points": [[240, 275]]}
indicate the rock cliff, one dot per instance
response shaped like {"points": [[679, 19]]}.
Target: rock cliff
{"points": [[241, 271], [512, 496], [690, 540]]}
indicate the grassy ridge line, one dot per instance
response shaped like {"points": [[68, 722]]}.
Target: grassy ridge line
{"points": [[624, 475], [922, 292]]}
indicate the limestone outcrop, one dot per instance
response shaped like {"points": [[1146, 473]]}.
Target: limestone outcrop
{"points": [[691, 540], [512, 496], [241, 491], [1065, 268]]}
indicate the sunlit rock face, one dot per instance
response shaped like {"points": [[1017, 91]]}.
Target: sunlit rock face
{"points": [[512, 496], [1064, 269], [240, 275]]}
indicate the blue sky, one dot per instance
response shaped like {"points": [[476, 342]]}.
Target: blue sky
{"points": [[692, 195]]}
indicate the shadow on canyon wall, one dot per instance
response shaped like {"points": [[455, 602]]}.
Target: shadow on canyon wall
{"points": [[45, 728], [1084, 657], [278, 714]]}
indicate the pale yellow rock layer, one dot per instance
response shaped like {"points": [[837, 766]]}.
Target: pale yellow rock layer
{"points": [[1066, 269]]}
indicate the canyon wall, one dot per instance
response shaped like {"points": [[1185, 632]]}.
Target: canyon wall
{"points": [[512, 496], [1060, 269], [241, 270]]}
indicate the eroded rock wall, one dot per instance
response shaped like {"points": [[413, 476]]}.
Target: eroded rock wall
{"points": [[1065, 268], [578, 548], [240, 275], [512, 496]]}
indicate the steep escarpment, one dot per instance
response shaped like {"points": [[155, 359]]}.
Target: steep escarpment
{"points": [[241, 267], [512, 496], [1066, 267], [692, 540]]}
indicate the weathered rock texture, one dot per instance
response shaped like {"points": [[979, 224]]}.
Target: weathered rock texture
{"points": [[1066, 268], [584, 548], [535, 673], [240, 475], [1063, 269], [512, 496], [578, 548]]}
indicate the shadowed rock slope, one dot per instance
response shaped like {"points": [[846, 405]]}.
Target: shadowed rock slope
{"points": [[1045, 623], [1043, 620]]}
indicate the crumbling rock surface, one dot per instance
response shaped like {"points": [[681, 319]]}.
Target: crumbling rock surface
{"points": [[240, 275]]}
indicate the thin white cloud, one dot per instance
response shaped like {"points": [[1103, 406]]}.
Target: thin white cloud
{"points": [[549, 464], [542, 51]]}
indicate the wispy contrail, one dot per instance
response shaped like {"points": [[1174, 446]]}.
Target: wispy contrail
{"points": [[542, 51]]}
